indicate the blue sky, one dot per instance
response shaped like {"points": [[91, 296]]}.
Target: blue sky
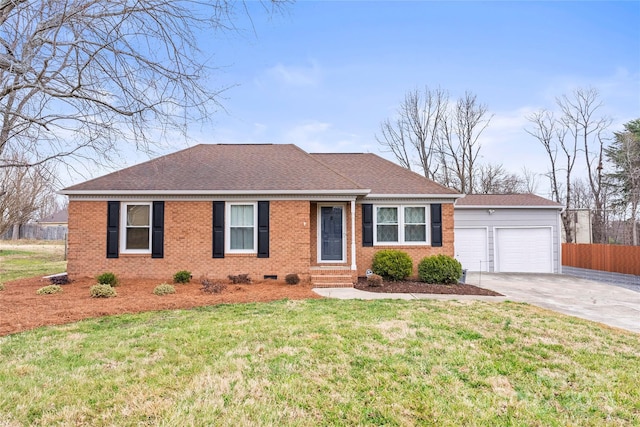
{"points": [[324, 75]]}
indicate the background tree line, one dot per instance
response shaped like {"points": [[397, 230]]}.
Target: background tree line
{"points": [[590, 166]]}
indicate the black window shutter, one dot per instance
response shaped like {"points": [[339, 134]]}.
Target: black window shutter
{"points": [[157, 230], [263, 229], [367, 225], [436, 224], [218, 229], [113, 223]]}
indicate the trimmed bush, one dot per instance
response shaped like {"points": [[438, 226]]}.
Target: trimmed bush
{"points": [[59, 280], [374, 280], [49, 290], [107, 278], [292, 279], [102, 291], [440, 269], [182, 276], [164, 289], [392, 264], [240, 278], [210, 287]]}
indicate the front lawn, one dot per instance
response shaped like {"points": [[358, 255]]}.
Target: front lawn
{"points": [[324, 362], [28, 258]]}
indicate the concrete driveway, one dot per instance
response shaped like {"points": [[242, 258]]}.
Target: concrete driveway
{"points": [[599, 302], [596, 301]]}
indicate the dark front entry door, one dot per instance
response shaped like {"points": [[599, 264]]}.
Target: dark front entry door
{"points": [[331, 233]]}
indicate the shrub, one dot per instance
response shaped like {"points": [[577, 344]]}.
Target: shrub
{"points": [[292, 279], [440, 269], [107, 278], [374, 280], [182, 276], [2, 288], [392, 264], [102, 291], [164, 289], [210, 287], [48, 290], [59, 280], [240, 278]]}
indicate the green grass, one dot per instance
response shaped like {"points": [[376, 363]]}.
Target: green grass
{"points": [[324, 362], [34, 260]]}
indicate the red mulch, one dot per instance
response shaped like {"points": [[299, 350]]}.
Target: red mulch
{"points": [[22, 309], [413, 287]]}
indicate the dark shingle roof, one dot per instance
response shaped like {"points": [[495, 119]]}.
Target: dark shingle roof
{"points": [[60, 216], [225, 168], [505, 200], [381, 175], [262, 168]]}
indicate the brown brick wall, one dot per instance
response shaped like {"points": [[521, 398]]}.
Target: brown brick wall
{"points": [[188, 241], [365, 254], [188, 244]]}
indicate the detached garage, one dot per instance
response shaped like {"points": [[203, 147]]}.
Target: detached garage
{"points": [[508, 233]]}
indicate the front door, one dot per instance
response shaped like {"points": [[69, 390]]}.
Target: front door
{"points": [[331, 223]]}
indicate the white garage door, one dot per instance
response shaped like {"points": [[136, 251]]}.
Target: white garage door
{"points": [[523, 250], [471, 248]]}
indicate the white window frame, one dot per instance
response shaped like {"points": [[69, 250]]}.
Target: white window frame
{"points": [[227, 226], [401, 225], [123, 227]]}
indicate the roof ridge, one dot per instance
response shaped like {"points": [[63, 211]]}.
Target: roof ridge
{"points": [[311, 156]]}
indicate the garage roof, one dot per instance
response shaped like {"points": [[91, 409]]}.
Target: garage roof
{"points": [[506, 201]]}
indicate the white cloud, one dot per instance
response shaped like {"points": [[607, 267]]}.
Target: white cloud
{"points": [[296, 75]]}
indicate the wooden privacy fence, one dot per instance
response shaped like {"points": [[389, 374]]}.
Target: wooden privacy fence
{"points": [[614, 258]]}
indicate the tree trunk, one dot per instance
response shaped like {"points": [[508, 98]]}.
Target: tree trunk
{"points": [[16, 232]]}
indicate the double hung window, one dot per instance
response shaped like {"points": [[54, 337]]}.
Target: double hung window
{"points": [[242, 228], [400, 225], [136, 228]]}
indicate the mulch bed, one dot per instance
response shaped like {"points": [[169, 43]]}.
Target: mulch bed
{"points": [[415, 287], [22, 309]]}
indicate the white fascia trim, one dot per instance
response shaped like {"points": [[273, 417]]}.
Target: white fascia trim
{"points": [[209, 192], [558, 208], [413, 196], [212, 193]]}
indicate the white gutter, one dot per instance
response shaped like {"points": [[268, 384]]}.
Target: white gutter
{"points": [[116, 192], [560, 208]]}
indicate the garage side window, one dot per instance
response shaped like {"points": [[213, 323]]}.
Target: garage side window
{"points": [[136, 224]]}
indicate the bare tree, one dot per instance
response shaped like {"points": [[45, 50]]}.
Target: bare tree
{"points": [[27, 192], [588, 130], [562, 153], [494, 179], [442, 140], [412, 137], [529, 180], [79, 77], [461, 146]]}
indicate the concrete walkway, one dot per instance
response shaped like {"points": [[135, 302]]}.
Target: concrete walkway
{"points": [[598, 302]]}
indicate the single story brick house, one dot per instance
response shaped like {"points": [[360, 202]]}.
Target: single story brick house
{"points": [[508, 233], [266, 210]]}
